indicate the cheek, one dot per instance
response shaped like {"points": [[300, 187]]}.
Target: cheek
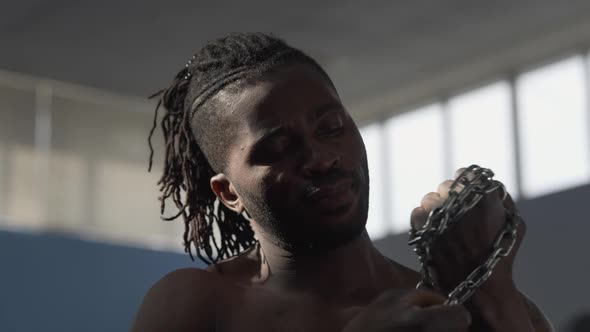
{"points": [[357, 155], [280, 190], [282, 199], [270, 183], [354, 150]]}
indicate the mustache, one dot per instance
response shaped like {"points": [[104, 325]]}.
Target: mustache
{"points": [[329, 178]]}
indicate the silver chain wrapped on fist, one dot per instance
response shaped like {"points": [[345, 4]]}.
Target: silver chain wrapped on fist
{"points": [[439, 219]]}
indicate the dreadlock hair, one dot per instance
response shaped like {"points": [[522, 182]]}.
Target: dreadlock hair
{"points": [[196, 145]]}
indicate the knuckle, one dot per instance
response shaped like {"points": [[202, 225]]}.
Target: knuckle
{"points": [[417, 212], [431, 201], [431, 196], [459, 171], [444, 186], [417, 222]]}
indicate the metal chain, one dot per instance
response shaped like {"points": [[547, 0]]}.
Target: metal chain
{"points": [[439, 219]]}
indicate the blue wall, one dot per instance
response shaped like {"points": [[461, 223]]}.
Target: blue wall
{"points": [[52, 282], [56, 283]]}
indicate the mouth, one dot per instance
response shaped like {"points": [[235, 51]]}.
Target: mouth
{"points": [[320, 192], [332, 197]]}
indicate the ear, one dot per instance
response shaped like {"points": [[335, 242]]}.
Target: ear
{"points": [[226, 192]]}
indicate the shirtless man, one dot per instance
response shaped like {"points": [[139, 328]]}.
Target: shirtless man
{"points": [[258, 126]]}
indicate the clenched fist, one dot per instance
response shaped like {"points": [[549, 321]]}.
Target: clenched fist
{"points": [[467, 243]]}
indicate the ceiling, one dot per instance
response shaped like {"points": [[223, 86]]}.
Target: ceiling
{"points": [[372, 49]]}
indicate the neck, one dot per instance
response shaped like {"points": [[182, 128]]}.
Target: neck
{"points": [[353, 273]]}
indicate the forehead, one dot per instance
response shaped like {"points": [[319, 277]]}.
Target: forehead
{"points": [[288, 94]]}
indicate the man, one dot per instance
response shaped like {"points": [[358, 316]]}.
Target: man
{"points": [[260, 150]]}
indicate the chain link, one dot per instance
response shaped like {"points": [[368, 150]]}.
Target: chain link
{"points": [[458, 203]]}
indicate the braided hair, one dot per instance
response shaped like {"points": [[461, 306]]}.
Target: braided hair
{"points": [[195, 148]]}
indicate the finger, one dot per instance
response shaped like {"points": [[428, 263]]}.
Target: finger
{"points": [[418, 218], [431, 201], [423, 298], [459, 172], [403, 298], [469, 175], [444, 187], [444, 317]]}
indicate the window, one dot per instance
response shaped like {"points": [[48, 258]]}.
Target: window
{"points": [[481, 132], [553, 124], [415, 152], [373, 139], [20, 202], [99, 172]]}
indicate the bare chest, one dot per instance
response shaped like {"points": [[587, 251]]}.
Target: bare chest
{"points": [[264, 311]]}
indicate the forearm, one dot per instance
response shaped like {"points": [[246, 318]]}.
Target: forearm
{"points": [[538, 318], [503, 309]]}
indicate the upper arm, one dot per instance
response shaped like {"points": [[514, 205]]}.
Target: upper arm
{"points": [[183, 300], [538, 318]]}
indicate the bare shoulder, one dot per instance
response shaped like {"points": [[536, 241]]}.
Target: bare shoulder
{"points": [[183, 300]]}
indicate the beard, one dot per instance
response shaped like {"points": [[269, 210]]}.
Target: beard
{"points": [[285, 229]]}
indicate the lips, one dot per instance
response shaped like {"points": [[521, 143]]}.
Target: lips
{"points": [[333, 196], [326, 191]]}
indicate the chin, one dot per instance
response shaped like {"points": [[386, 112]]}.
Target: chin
{"points": [[330, 233], [320, 231]]}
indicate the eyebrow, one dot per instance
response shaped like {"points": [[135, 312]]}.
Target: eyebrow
{"points": [[317, 112], [312, 115], [273, 132]]}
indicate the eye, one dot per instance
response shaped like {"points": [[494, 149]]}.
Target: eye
{"points": [[275, 150], [279, 144], [331, 127]]}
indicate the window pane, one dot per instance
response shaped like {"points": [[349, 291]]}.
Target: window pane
{"points": [[20, 203], [481, 132], [376, 226], [415, 149], [553, 127], [99, 172]]}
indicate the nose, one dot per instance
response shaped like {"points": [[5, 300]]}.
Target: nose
{"points": [[318, 159]]}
